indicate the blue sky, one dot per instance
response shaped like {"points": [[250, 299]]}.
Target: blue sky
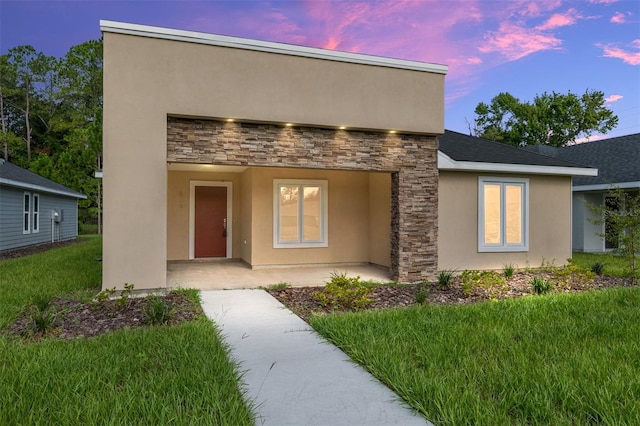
{"points": [[520, 47]]}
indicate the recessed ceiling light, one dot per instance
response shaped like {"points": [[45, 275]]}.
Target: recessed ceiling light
{"points": [[342, 127], [289, 124], [392, 131], [230, 120]]}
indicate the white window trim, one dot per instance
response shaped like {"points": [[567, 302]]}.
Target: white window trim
{"points": [[26, 214], [503, 247], [192, 214], [35, 215], [324, 212]]}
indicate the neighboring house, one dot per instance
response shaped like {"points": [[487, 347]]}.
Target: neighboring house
{"points": [[618, 163], [501, 205], [275, 154], [34, 210]]}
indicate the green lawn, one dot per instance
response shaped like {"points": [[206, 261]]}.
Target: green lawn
{"points": [[556, 359], [614, 265], [160, 375]]}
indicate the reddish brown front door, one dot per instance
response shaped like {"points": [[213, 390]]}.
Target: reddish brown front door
{"points": [[211, 221]]}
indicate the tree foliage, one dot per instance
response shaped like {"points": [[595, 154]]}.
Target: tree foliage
{"points": [[51, 114], [551, 119]]}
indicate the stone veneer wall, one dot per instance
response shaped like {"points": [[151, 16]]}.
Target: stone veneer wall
{"points": [[412, 160]]}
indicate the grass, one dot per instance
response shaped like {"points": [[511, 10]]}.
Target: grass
{"points": [[613, 265], [155, 375], [555, 359]]}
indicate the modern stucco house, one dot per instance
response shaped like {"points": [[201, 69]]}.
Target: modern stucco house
{"points": [[34, 210], [222, 147], [618, 163]]}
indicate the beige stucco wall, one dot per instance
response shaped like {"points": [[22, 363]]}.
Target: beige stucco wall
{"points": [[549, 223], [146, 79], [348, 218], [178, 198]]}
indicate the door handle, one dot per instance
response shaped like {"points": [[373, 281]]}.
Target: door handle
{"points": [[224, 227]]}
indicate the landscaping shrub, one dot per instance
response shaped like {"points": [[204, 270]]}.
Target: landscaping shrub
{"points": [[540, 285], [343, 292], [157, 310], [597, 268], [508, 270], [445, 277]]}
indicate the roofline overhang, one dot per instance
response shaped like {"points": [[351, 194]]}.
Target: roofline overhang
{"points": [[447, 163], [39, 188], [266, 46], [606, 186]]}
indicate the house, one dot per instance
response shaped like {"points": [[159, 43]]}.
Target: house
{"points": [[34, 210], [501, 205], [618, 163], [275, 154]]}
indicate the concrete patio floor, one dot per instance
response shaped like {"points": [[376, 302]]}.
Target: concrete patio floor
{"points": [[227, 274]]}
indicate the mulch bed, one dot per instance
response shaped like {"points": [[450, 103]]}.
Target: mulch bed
{"points": [[301, 300], [73, 319]]}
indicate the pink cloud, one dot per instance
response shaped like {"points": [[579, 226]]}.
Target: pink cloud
{"points": [[558, 20], [631, 58], [603, 1], [515, 42], [620, 18], [474, 61], [613, 98]]}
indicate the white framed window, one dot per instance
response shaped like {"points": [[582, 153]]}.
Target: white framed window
{"points": [[503, 214], [35, 200], [300, 213], [26, 213]]}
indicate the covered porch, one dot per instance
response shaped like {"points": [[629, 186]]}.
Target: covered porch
{"points": [[232, 274]]}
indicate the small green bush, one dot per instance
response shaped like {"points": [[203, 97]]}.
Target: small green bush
{"points": [[157, 310], [42, 320], [124, 301], [344, 293], [597, 268], [491, 281], [422, 293], [508, 270], [445, 277], [540, 285]]}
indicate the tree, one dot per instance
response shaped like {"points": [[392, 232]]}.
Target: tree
{"points": [[622, 216], [551, 119]]}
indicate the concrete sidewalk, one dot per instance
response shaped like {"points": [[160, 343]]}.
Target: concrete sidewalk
{"points": [[293, 375]]}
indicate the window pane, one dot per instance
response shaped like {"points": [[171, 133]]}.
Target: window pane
{"points": [[311, 208], [513, 214], [36, 197], [492, 233], [288, 213], [27, 198], [26, 222]]}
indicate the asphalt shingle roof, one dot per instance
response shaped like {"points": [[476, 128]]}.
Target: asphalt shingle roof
{"points": [[18, 175], [461, 147], [617, 159]]}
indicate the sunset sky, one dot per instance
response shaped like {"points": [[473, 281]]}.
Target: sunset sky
{"points": [[521, 47]]}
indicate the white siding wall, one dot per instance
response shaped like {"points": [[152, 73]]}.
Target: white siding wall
{"points": [[11, 222]]}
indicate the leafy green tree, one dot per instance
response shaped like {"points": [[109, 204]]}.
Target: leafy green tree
{"points": [[623, 222], [550, 119]]}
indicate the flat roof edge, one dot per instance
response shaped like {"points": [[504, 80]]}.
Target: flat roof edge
{"points": [[266, 46]]}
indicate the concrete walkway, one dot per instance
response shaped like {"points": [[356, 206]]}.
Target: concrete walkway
{"points": [[293, 375]]}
